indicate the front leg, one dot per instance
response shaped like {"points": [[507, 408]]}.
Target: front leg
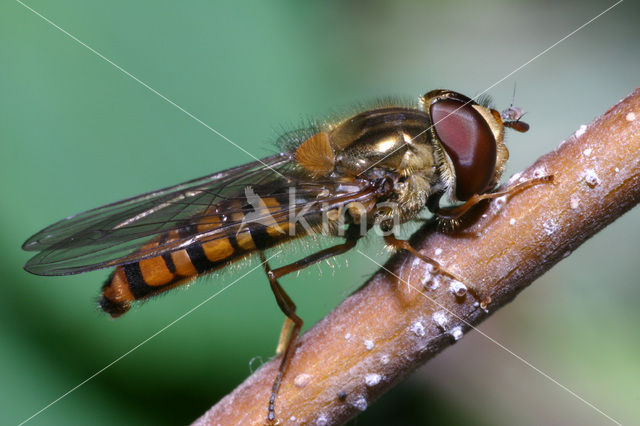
{"points": [[455, 213]]}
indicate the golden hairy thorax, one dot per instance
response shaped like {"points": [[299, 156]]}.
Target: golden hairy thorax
{"points": [[392, 140], [397, 140]]}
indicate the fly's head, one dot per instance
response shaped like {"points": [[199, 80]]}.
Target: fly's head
{"points": [[468, 140]]}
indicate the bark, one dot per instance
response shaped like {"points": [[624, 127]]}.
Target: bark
{"points": [[400, 318]]}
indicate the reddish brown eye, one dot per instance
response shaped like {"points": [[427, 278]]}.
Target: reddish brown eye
{"points": [[469, 141]]}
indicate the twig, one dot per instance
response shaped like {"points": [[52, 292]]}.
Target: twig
{"points": [[398, 319]]}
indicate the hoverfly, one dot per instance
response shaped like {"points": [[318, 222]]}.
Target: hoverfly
{"points": [[380, 167]]}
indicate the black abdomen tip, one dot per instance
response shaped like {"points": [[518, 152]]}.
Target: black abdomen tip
{"points": [[114, 309]]}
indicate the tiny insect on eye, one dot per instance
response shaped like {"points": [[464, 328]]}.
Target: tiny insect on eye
{"points": [[512, 118], [468, 140]]}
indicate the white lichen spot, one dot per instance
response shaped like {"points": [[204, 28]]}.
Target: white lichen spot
{"points": [[440, 318], [347, 336], [435, 283], [456, 333], [540, 172], [372, 379], [484, 215], [384, 359], [292, 418], [515, 177], [360, 403], [457, 288], [581, 131], [631, 116], [322, 420], [512, 221], [368, 344], [417, 328], [302, 380], [617, 170], [499, 202], [587, 151], [574, 202], [478, 234], [591, 178], [550, 226], [438, 252], [426, 278]]}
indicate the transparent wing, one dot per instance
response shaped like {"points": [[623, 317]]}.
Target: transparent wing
{"points": [[174, 217]]}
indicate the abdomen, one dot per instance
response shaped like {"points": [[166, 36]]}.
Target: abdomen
{"points": [[148, 277]]}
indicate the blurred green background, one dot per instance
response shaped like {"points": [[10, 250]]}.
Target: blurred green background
{"points": [[77, 133]]}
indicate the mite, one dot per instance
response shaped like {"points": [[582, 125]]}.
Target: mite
{"points": [[380, 167]]}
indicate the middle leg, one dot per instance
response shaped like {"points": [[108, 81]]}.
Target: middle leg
{"points": [[391, 240]]}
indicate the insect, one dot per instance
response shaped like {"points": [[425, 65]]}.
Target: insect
{"points": [[379, 168]]}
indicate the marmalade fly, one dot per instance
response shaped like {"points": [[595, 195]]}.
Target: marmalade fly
{"points": [[380, 167]]}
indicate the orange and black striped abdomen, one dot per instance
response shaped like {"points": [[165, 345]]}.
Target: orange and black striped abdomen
{"points": [[148, 277]]}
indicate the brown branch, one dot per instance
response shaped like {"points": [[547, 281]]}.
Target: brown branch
{"points": [[387, 328]]}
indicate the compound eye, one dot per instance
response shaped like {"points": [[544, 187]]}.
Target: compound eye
{"points": [[469, 141]]}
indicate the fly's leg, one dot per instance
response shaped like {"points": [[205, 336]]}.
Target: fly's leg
{"points": [[289, 309], [392, 241], [455, 213], [293, 323], [287, 327]]}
